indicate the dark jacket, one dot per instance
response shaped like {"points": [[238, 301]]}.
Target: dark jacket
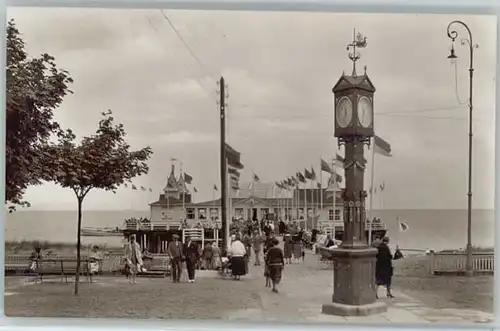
{"points": [[191, 252], [275, 256]]}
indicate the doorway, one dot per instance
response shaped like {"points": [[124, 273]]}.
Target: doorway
{"points": [[254, 214]]}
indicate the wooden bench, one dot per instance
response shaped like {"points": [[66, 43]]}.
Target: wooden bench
{"points": [[158, 267], [62, 267]]}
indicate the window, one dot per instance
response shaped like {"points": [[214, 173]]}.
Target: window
{"points": [[214, 213], [309, 212], [202, 213], [264, 212], [301, 213], [190, 213], [239, 213], [337, 214]]}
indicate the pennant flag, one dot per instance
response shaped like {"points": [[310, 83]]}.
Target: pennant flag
{"points": [[150, 190], [295, 181], [307, 174], [339, 160], [126, 186], [195, 190], [326, 167], [215, 188], [301, 177], [382, 186], [256, 178], [233, 157], [173, 159], [134, 187], [187, 178], [313, 173], [143, 188], [319, 185], [278, 185], [403, 227], [381, 146]]}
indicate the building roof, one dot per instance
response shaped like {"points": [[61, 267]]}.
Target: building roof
{"points": [[171, 182]]}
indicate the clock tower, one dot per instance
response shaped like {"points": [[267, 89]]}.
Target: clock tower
{"points": [[354, 290]]}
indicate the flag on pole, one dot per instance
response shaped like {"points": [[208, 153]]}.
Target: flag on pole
{"points": [[233, 158], [382, 186], [256, 178], [188, 179], [126, 186], [215, 188], [403, 227], [313, 174], [339, 161], [195, 190], [134, 187], [381, 146], [173, 159], [308, 175], [326, 167], [319, 185], [143, 188], [301, 177], [150, 190]]}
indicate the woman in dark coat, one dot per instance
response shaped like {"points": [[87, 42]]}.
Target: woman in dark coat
{"points": [[288, 247], [383, 268], [275, 263]]}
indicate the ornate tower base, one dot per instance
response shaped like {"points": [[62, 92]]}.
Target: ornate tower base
{"points": [[354, 290]]}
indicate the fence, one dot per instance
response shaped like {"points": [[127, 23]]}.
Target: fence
{"points": [[454, 263]]}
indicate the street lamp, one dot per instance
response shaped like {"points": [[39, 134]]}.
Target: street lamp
{"points": [[453, 34]]}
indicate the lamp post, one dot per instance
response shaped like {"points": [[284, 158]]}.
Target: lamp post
{"points": [[453, 35]]}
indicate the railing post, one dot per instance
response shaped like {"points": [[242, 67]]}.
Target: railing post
{"points": [[432, 261]]}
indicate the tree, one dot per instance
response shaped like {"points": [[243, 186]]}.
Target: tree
{"points": [[101, 161], [35, 87]]}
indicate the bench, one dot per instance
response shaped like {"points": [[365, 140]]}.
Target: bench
{"points": [[159, 266], [62, 267]]}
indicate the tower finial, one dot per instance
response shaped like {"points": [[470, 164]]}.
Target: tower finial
{"points": [[358, 41]]}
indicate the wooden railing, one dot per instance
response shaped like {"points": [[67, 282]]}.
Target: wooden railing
{"points": [[454, 262], [155, 226]]}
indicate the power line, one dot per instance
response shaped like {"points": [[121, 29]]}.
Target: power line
{"points": [[184, 41], [185, 65]]}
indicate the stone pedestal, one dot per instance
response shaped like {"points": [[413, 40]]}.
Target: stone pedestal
{"points": [[354, 288]]}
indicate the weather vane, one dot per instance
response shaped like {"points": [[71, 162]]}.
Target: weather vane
{"points": [[359, 41]]}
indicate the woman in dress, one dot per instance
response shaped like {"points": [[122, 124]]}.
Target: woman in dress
{"points": [[95, 258], [383, 267], [288, 247], [133, 258], [237, 251], [275, 263]]}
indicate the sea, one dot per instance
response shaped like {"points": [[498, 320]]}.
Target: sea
{"points": [[426, 229]]}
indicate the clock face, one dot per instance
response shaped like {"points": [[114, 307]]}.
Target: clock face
{"points": [[343, 112], [365, 112]]}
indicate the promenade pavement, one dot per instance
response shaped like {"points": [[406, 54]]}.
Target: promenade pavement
{"points": [[304, 288]]}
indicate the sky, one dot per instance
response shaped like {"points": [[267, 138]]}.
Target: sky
{"points": [[157, 71]]}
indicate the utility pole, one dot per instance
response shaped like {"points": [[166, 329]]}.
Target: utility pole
{"points": [[223, 170]]}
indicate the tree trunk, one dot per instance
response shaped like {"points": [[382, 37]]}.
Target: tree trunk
{"points": [[78, 244]]}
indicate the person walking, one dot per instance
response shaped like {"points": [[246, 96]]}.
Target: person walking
{"points": [[237, 252], [257, 246], [208, 256], [133, 257], [383, 267], [288, 248], [192, 256], [175, 253], [275, 263]]}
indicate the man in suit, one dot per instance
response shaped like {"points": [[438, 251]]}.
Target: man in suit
{"points": [[192, 255], [175, 252]]}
